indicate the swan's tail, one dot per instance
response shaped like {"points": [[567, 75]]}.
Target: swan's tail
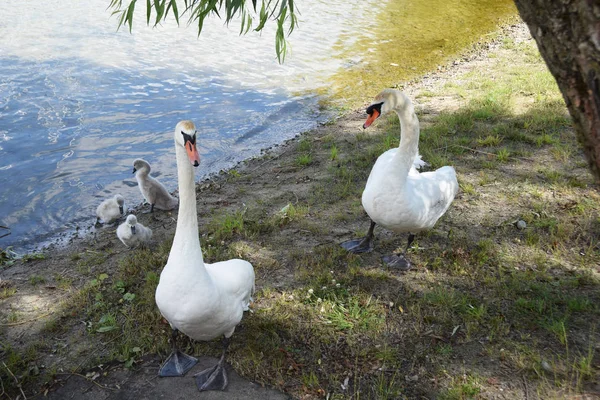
{"points": [[419, 162], [246, 304]]}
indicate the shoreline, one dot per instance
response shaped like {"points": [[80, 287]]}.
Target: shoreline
{"points": [[82, 231]]}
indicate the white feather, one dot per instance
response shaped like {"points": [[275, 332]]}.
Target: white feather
{"points": [[132, 233], [203, 301], [397, 196], [110, 209]]}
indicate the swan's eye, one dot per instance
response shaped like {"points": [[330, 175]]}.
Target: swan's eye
{"points": [[189, 138], [374, 107]]}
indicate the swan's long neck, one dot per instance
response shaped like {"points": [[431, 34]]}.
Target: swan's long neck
{"points": [[186, 244], [409, 135]]}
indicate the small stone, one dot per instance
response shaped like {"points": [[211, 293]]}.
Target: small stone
{"points": [[545, 366], [521, 224]]}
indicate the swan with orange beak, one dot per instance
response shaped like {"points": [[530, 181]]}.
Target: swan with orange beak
{"points": [[397, 196], [204, 301]]}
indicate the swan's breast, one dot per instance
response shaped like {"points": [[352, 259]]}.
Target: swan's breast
{"points": [[206, 308]]}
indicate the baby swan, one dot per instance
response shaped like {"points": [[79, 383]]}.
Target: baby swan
{"points": [[397, 196], [204, 301], [132, 233], [110, 209], [153, 191]]}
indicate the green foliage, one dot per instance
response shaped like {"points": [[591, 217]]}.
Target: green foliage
{"points": [[227, 225], [36, 280], [333, 153], [107, 323], [489, 140], [503, 155], [304, 160], [33, 256], [291, 213], [7, 292], [304, 146], [466, 387], [283, 12]]}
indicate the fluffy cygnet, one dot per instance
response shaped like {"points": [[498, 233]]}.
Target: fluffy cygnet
{"points": [[111, 209], [132, 233], [153, 191]]}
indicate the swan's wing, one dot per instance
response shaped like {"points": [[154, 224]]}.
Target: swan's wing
{"points": [[437, 189], [235, 278], [124, 233]]}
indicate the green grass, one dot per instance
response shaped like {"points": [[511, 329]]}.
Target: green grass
{"points": [[467, 387], [304, 160], [333, 153], [304, 146], [490, 140], [36, 280], [7, 292], [227, 225], [483, 298], [33, 256]]}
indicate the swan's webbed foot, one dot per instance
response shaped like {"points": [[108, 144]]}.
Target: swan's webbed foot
{"points": [[214, 378], [397, 261], [363, 245], [178, 364], [358, 246]]}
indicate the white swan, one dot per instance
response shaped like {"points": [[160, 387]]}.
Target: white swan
{"points": [[204, 301], [132, 233], [153, 191], [110, 209], [396, 195]]}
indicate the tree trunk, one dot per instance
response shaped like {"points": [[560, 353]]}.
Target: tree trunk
{"points": [[567, 33]]}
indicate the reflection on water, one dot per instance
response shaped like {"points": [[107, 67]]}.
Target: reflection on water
{"points": [[65, 149], [412, 38], [80, 101]]}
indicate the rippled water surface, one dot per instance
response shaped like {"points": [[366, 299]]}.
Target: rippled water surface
{"points": [[79, 101]]}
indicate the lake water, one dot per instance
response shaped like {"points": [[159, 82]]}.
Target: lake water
{"points": [[79, 100]]}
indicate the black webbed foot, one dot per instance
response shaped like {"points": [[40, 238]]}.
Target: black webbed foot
{"points": [[178, 364], [214, 378], [397, 261], [358, 246]]}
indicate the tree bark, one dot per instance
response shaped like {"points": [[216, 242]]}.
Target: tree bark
{"points": [[567, 33]]}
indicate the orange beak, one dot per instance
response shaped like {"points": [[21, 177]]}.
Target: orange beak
{"points": [[192, 153], [371, 118]]}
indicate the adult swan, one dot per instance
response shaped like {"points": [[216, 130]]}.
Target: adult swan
{"points": [[396, 195], [204, 301]]}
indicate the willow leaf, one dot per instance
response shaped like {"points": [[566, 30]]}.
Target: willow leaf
{"points": [[263, 17], [129, 17], [148, 11], [175, 11]]}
